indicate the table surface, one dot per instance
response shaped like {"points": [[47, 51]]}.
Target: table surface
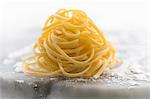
{"points": [[129, 44]]}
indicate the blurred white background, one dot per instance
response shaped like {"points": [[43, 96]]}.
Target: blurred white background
{"points": [[21, 18], [109, 14]]}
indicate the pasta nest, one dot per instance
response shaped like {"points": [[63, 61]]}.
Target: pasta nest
{"points": [[71, 45]]}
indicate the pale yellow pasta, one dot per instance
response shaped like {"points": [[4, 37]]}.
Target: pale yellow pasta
{"points": [[70, 46]]}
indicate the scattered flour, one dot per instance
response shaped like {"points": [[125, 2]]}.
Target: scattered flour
{"points": [[8, 61], [15, 58], [18, 67], [20, 81]]}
